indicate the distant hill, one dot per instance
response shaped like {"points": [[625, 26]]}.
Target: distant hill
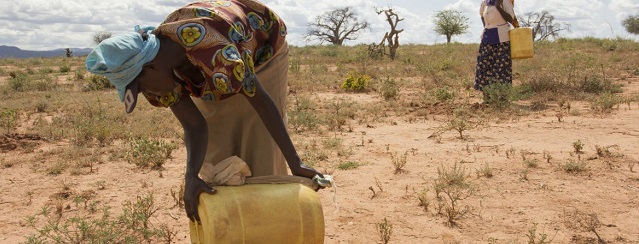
{"points": [[14, 52]]}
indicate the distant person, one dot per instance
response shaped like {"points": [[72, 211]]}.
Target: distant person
{"points": [[195, 63], [494, 64]]}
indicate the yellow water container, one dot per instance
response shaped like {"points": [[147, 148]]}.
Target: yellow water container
{"points": [[260, 213], [521, 43]]}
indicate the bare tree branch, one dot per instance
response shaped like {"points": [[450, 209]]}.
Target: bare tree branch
{"points": [[543, 25]]}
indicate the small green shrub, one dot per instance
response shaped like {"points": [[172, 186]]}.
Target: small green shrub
{"points": [[314, 155], [65, 68], [597, 85], [544, 83], [149, 153], [389, 89], [133, 225], [45, 70], [461, 121], [445, 64], [317, 69], [57, 168], [451, 187], [399, 162], [9, 119], [79, 74], [18, 81], [295, 66], [41, 106], [302, 120], [341, 110], [356, 83], [348, 165], [384, 230], [423, 199], [97, 83], [498, 95], [443, 94], [537, 238], [85, 130], [531, 163], [485, 171], [578, 146], [605, 102], [45, 82], [329, 51], [333, 143], [301, 116], [574, 167]]}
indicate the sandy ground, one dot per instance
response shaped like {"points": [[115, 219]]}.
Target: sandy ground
{"points": [[502, 210]]}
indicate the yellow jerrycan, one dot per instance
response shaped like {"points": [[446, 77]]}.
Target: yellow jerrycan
{"points": [[521, 43], [260, 213]]}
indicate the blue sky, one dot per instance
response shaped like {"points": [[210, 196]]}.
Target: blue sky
{"points": [[51, 24]]}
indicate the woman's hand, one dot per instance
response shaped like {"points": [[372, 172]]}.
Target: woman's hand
{"points": [[194, 186], [304, 170]]}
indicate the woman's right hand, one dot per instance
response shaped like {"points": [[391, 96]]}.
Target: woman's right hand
{"points": [[194, 186]]}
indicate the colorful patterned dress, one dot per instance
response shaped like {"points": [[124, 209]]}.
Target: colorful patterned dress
{"points": [[493, 61], [229, 42], [225, 40]]}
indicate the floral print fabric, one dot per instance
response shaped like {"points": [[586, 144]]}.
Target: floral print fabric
{"points": [[493, 64], [225, 39]]}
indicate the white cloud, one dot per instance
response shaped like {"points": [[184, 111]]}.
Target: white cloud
{"points": [[51, 24]]}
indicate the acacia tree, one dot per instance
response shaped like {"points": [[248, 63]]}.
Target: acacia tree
{"points": [[632, 24], [543, 25], [100, 36], [336, 26], [450, 23]]}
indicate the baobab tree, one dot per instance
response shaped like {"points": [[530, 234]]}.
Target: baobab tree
{"points": [[336, 26]]}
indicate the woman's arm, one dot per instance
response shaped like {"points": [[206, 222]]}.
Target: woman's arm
{"points": [[196, 140], [268, 112], [504, 14], [482, 7]]}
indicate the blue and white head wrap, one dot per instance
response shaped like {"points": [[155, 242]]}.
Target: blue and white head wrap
{"points": [[121, 58]]}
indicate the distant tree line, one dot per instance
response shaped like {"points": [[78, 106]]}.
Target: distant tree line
{"points": [[342, 24]]}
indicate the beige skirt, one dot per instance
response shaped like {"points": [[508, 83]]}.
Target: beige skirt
{"points": [[235, 129]]}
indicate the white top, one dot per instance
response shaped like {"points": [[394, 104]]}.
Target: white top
{"points": [[493, 18]]}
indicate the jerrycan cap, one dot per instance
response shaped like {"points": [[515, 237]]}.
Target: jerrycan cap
{"points": [[326, 181]]}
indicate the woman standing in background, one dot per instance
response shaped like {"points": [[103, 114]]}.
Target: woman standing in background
{"points": [[494, 64]]}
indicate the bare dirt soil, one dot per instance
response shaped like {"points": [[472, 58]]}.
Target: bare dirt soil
{"points": [[531, 187]]}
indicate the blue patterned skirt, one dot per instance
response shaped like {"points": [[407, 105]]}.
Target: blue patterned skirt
{"points": [[493, 65]]}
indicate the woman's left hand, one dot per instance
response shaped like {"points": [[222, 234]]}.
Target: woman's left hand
{"points": [[304, 170]]}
